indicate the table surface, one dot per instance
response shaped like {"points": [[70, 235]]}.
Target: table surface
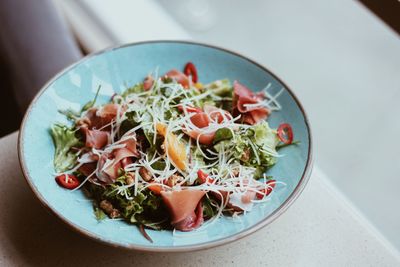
{"points": [[341, 61], [320, 229]]}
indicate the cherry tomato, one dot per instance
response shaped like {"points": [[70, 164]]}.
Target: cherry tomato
{"points": [[190, 70], [155, 188], [203, 177], [285, 133], [67, 181]]}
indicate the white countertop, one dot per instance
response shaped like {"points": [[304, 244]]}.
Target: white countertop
{"points": [[320, 229]]}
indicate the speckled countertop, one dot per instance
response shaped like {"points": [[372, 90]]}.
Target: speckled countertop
{"points": [[320, 229]]}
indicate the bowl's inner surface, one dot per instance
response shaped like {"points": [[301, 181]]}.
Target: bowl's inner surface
{"points": [[117, 69]]}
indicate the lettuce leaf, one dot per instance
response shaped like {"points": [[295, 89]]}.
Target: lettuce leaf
{"points": [[264, 135], [99, 213], [91, 103], [222, 134], [221, 88], [249, 147], [137, 88], [63, 139]]}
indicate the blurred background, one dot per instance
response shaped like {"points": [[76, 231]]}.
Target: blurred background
{"points": [[341, 59]]}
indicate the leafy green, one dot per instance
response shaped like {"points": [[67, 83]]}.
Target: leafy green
{"points": [[129, 123], [238, 145], [63, 139], [222, 88], [222, 134], [254, 147], [264, 135], [137, 88], [208, 210], [285, 145], [143, 208], [158, 165], [99, 213], [197, 157], [91, 103], [71, 115]]}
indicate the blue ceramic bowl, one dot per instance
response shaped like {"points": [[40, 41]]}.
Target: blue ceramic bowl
{"points": [[116, 69]]}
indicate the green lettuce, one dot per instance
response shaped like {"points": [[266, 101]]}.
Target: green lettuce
{"points": [[221, 88], [99, 213], [91, 103], [250, 146], [137, 88], [264, 136], [144, 208], [222, 134], [64, 138]]}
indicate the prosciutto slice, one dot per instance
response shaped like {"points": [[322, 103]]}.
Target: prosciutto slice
{"points": [[96, 138], [148, 83], [216, 114], [87, 168], [202, 119], [130, 144], [193, 221], [244, 97], [178, 77], [185, 208], [91, 162], [109, 164], [97, 118], [204, 138]]}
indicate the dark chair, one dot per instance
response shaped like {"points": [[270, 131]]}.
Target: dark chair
{"points": [[35, 43]]}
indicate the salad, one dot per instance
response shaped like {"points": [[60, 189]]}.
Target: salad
{"points": [[171, 152]]}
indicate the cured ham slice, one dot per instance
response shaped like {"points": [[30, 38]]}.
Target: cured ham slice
{"points": [[109, 164], [216, 114], [126, 161], [130, 144], [205, 139], [108, 112], [122, 153], [257, 115], [245, 103], [185, 208], [202, 119], [148, 83], [88, 168], [97, 118], [178, 77], [193, 221], [96, 138], [111, 172]]}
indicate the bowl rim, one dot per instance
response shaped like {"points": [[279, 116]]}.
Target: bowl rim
{"points": [[184, 248]]}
